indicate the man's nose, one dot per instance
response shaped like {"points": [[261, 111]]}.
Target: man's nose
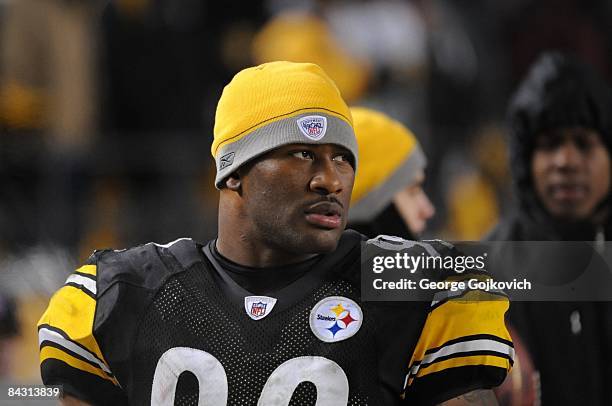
{"points": [[427, 208], [567, 155], [326, 179]]}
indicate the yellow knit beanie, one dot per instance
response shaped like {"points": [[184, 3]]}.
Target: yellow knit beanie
{"points": [[390, 157], [275, 104]]}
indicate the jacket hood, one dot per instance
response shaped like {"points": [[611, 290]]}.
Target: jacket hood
{"points": [[558, 91]]}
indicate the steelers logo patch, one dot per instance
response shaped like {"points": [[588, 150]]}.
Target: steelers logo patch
{"points": [[335, 318]]}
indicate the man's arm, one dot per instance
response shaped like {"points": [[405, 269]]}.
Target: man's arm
{"points": [[480, 397], [69, 352]]}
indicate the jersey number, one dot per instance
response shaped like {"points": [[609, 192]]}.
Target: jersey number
{"points": [[327, 376]]}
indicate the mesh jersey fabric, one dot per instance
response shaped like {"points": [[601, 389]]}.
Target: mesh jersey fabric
{"points": [[149, 302]]}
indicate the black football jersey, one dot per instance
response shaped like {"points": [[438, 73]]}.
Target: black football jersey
{"points": [[163, 325]]}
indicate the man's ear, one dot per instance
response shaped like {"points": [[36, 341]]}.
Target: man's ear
{"points": [[233, 182]]}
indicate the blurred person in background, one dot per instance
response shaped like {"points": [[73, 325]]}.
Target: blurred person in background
{"points": [[560, 141], [300, 36], [388, 196], [47, 69], [9, 329], [384, 67], [49, 108], [476, 181]]}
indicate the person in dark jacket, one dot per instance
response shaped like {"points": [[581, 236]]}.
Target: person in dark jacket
{"points": [[560, 143]]}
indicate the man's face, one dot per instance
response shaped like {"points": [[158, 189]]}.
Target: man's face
{"points": [[296, 197], [414, 206], [570, 168]]}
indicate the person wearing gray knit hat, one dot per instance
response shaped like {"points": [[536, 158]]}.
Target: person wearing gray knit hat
{"points": [[271, 311], [276, 104]]}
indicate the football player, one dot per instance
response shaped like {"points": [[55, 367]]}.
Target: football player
{"points": [[270, 312]]}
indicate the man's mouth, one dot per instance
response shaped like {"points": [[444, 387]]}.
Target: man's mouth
{"points": [[327, 215], [568, 192]]}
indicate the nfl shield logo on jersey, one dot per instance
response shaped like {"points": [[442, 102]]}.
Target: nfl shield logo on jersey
{"points": [[258, 307], [313, 127]]}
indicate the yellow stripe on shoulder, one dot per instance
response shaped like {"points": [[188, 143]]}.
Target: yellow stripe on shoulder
{"points": [[88, 269], [470, 315], [473, 323], [57, 354], [72, 311]]}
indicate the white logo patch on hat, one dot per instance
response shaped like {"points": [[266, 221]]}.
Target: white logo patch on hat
{"points": [[258, 307], [313, 127], [335, 318]]}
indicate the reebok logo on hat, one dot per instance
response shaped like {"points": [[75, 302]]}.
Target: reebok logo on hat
{"points": [[313, 127], [226, 160]]}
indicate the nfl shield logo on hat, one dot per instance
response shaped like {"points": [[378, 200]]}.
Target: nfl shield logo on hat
{"points": [[258, 307], [313, 127]]}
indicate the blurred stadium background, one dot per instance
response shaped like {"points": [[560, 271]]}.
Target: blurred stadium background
{"points": [[107, 110]]}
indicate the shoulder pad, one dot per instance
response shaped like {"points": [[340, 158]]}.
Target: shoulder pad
{"points": [[443, 255], [433, 248], [184, 250], [146, 266], [94, 256]]}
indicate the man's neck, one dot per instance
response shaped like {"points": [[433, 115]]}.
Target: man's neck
{"points": [[255, 254]]}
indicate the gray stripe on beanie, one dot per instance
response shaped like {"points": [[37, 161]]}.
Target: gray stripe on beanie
{"points": [[276, 134], [375, 201]]}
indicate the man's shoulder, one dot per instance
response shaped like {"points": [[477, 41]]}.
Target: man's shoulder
{"points": [[394, 243], [434, 247], [146, 265], [364, 250]]}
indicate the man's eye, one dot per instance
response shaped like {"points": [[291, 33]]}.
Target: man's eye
{"points": [[586, 142], [341, 158], [303, 154]]}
